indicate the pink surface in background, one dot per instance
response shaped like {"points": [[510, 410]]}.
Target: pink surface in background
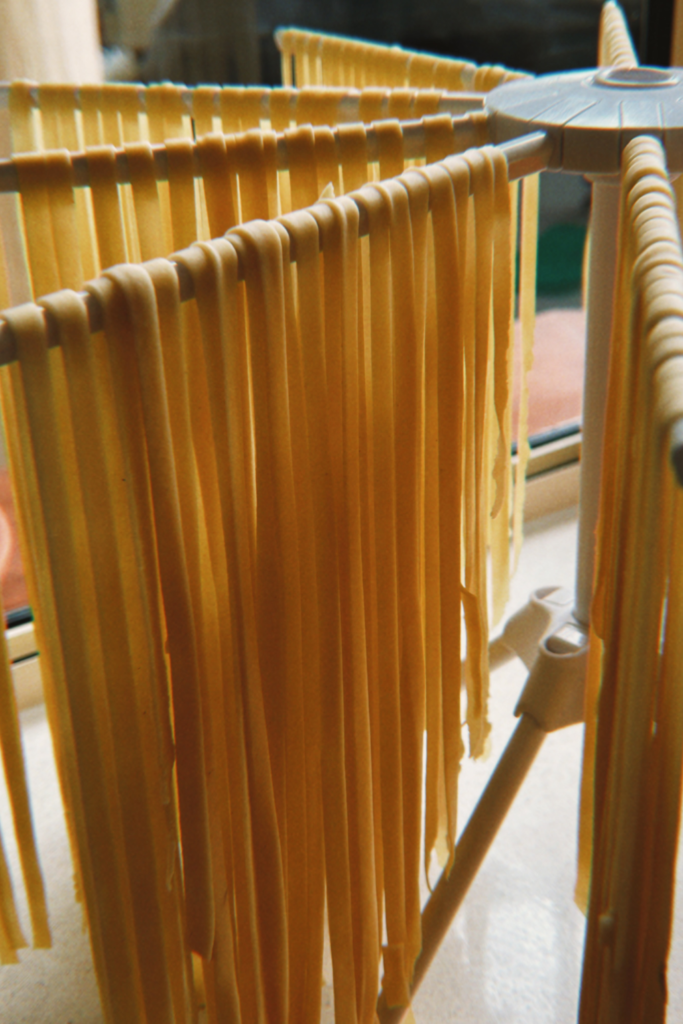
{"points": [[14, 592], [556, 379]]}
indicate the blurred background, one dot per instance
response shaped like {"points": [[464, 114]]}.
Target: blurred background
{"points": [[213, 40]]}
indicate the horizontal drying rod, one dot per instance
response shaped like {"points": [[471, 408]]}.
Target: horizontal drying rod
{"points": [[413, 149], [347, 106], [526, 155]]}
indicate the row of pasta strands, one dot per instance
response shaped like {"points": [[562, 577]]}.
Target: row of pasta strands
{"points": [[71, 117], [230, 186], [615, 47], [631, 786], [214, 184], [317, 58], [252, 523]]}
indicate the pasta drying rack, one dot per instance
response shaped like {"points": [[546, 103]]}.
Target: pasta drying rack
{"points": [[570, 123]]}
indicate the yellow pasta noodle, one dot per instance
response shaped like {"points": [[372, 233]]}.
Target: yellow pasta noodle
{"points": [[527, 315], [238, 180]]}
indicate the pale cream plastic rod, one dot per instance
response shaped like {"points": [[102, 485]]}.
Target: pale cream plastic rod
{"points": [[470, 850], [413, 134], [450, 102]]}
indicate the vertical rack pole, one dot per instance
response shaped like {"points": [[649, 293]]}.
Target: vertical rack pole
{"points": [[601, 280]]}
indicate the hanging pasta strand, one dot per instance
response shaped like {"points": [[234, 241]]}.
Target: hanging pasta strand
{"points": [[339, 232], [146, 217], [475, 585], [382, 328], [503, 253], [436, 823], [304, 319], [527, 315], [409, 211], [214, 271], [200, 519]]}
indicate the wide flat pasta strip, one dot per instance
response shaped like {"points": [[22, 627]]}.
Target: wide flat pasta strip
{"points": [[293, 417], [390, 145], [220, 183], [408, 224], [23, 123], [276, 571], [317, 106], [353, 159], [38, 227], [400, 103], [475, 592], [334, 798], [303, 179], [303, 314], [165, 112], [371, 104], [256, 167], [214, 271], [667, 784], [251, 104], [435, 827], [527, 315], [108, 219], [449, 190], [378, 211], [147, 884], [148, 216], [502, 386], [183, 193], [207, 571], [337, 223], [57, 111], [327, 161]]}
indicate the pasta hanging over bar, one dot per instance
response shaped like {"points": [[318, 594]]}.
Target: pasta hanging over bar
{"points": [[320, 59], [123, 211], [631, 787], [260, 495], [50, 116]]}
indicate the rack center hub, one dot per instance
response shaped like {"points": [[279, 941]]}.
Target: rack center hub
{"points": [[591, 115]]}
